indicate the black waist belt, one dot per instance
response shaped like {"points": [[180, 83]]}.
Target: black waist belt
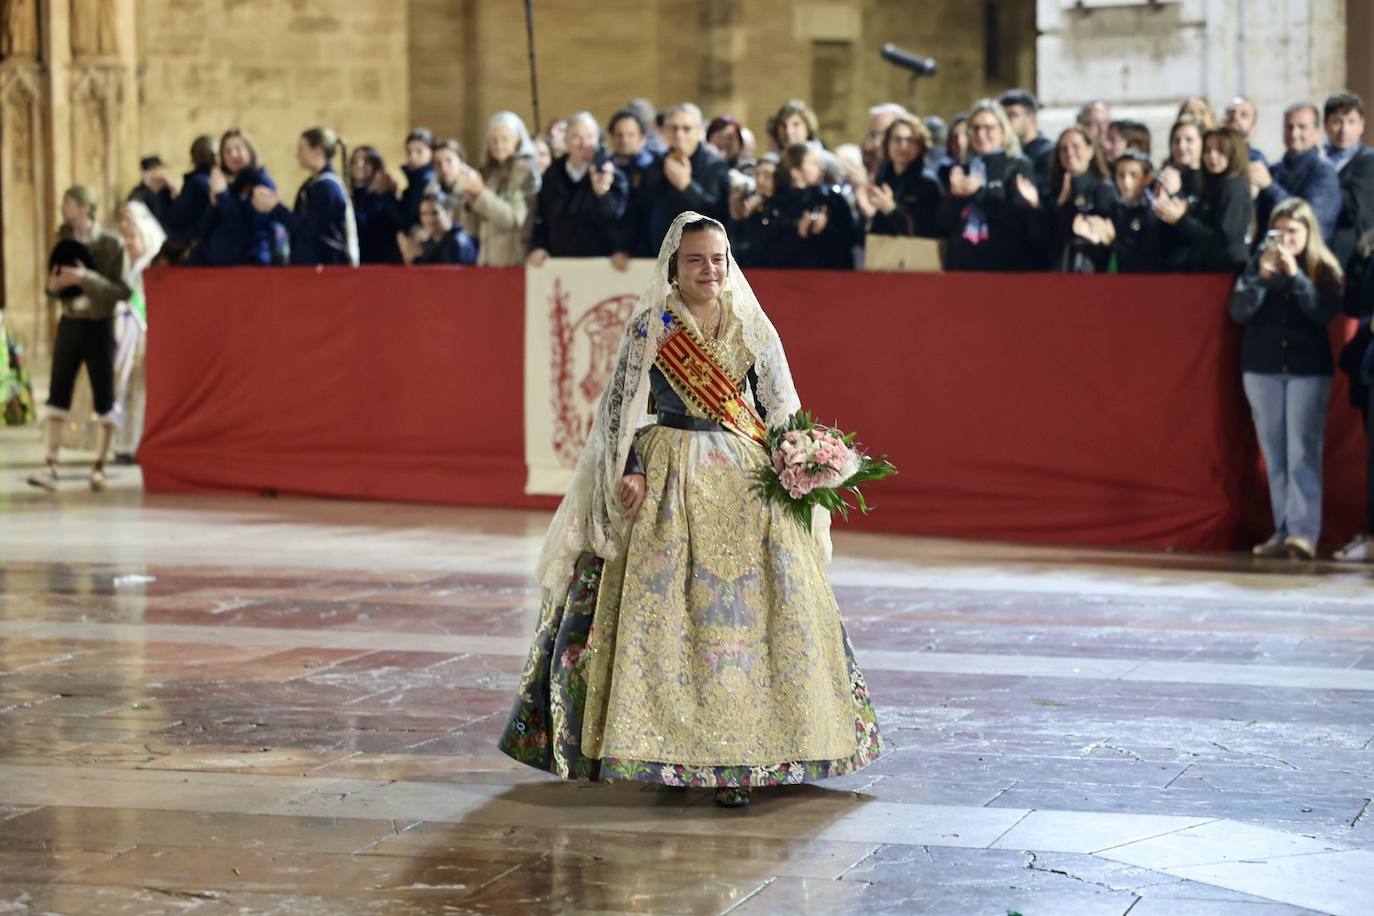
{"points": [[695, 424]]}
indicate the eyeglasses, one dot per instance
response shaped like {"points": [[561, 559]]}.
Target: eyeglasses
{"points": [[902, 138], [984, 128]]}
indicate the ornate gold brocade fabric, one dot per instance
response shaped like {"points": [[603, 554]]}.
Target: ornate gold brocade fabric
{"points": [[716, 638]]}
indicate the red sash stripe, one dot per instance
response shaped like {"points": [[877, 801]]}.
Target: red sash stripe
{"points": [[709, 386]]}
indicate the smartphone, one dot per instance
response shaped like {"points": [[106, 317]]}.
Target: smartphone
{"points": [[1272, 238], [601, 157]]}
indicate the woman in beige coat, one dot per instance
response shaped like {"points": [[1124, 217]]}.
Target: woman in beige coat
{"points": [[501, 197]]}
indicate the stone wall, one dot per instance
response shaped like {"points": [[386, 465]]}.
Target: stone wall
{"points": [[469, 59], [1145, 57], [87, 87], [273, 68]]}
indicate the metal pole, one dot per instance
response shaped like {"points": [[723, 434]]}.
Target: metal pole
{"points": [[534, 77]]}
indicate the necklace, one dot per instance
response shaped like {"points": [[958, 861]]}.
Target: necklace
{"points": [[711, 327]]}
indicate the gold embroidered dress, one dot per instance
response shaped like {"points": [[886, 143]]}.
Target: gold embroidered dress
{"points": [[709, 650]]}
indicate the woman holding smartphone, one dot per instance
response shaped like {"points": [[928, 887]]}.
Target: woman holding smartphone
{"points": [[1286, 297]]}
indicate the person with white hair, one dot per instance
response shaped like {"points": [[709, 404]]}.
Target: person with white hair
{"points": [[143, 239], [501, 198], [880, 117]]}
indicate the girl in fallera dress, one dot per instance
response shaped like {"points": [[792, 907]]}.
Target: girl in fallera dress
{"points": [[688, 633]]}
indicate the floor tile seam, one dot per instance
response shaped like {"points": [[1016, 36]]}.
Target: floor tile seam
{"points": [[1253, 675], [1201, 822], [1018, 821], [899, 580], [1262, 860]]}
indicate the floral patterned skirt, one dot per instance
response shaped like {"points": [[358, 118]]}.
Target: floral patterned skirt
{"points": [[710, 653]]}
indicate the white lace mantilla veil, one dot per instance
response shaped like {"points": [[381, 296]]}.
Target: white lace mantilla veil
{"points": [[591, 519]]}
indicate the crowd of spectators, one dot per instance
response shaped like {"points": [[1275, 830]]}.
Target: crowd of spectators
{"points": [[988, 188]]}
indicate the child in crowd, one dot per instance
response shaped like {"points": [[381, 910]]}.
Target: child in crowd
{"points": [[1137, 246]]}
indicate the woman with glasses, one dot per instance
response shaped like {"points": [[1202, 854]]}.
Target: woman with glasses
{"points": [[905, 198], [991, 200]]}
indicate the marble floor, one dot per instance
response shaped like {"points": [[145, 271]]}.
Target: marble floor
{"points": [[219, 705]]}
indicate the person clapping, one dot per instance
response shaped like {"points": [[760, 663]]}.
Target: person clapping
{"points": [[1210, 233], [582, 199], [444, 240], [809, 223], [904, 196], [992, 197]]}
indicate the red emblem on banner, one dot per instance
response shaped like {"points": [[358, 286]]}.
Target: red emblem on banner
{"points": [[584, 350]]}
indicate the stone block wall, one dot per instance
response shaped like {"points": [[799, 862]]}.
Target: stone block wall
{"points": [[1146, 57], [273, 68], [469, 58]]}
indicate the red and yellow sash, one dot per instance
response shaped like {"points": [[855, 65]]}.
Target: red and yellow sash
{"points": [[701, 378]]}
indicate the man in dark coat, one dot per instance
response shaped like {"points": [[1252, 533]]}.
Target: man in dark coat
{"points": [[1022, 111], [1354, 162], [581, 200], [689, 177], [154, 191], [1302, 172]]}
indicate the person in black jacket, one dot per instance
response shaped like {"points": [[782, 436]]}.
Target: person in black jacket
{"points": [[155, 192], [1080, 199], [905, 197], [749, 213], [808, 223], [1357, 360], [1287, 296], [1022, 110], [1354, 162], [373, 208], [1212, 233], [1181, 173], [991, 198], [688, 177], [1135, 230], [581, 201]]}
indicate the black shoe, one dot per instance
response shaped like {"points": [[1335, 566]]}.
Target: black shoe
{"points": [[125, 458], [733, 797]]}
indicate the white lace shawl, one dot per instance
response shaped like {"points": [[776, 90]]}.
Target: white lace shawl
{"points": [[590, 519]]}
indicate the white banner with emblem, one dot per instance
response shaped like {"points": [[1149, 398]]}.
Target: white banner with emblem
{"points": [[575, 313]]}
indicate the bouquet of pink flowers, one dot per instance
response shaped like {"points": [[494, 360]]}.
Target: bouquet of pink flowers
{"points": [[815, 465]]}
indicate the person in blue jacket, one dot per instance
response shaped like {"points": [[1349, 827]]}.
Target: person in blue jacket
{"points": [[320, 225], [188, 211], [374, 208], [1303, 172], [419, 172], [232, 232], [446, 241]]}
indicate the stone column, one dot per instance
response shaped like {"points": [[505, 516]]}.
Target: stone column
{"points": [[24, 175]]}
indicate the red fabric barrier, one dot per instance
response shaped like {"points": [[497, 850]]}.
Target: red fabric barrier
{"points": [[385, 383], [1084, 409]]}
